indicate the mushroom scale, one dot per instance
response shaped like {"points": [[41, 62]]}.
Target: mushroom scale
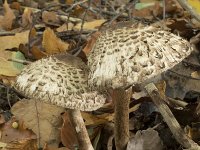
{"points": [[132, 55], [60, 82]]}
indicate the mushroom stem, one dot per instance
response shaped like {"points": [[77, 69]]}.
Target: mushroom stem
{"points": [[121, 129], [81, 131]]}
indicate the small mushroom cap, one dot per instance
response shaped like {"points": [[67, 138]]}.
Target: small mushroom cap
{"points": [[61, 81], [132, 55]]}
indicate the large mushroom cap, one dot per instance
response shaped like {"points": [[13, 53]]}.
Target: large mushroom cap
{"points": [[61, 81], [130, 55]]}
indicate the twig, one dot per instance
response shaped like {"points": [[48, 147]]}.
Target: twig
{"points": [[84, 15], [81, 131], [169, 118], [113, 13], [192, 12], [68, 18], [96, 10], [75, 4], [38, 122], [126, 7], [51, 6], [8, 96], [81, 30], [177, 103], [6, 33], [164, 9], [24, 62], [185, 76]]}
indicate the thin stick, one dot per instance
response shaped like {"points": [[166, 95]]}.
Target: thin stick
{"points": [[81, 131], [121, 129], [38, 122], [6, 33], [169, 118], [75, 4], [8, 96], [164, 9], [24, 62]]}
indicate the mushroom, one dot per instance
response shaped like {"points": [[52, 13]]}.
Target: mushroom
{"points": [[131, 55], [62, 80]]}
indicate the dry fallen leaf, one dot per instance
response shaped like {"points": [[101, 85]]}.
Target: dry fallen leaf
{"points": [[24, 144], [50, 17], [15, 136], [27, 17], [9, 133], [145, 140], [78, 11], [195, 74], [52, 44], [10, 68], [179, 80], [91, 42], [46, 147], [68, 133], [45, 121], [146, 9], [195, 4], [65, 27], [6, 80], [7, 20], [193, 131], [161, 85], [2, 119], [151, 8], [36, 45], [15, 5], [91, 119], [9, 42], [69, 2], [37, 53], [90, 25]]}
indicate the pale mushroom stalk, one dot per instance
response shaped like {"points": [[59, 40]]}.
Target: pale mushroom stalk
{"points": [[62, 80], [131, 54], [81, 131], [121, 117]]}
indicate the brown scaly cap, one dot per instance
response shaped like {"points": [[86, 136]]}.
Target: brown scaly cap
{"points": [[126, 56], [61, 81]]}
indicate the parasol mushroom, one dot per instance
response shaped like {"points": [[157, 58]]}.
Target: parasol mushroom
{"points": [[128, 55], [62, 80]]}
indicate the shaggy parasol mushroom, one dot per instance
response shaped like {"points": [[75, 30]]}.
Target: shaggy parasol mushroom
{"points": [[62, 80], [130, 55]]}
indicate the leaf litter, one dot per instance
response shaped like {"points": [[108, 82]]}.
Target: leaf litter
{"points": [[73, 27]]}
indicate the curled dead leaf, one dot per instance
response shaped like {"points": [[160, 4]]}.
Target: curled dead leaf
{"points": [[9, 42], [10, 68], [27, 17], [52, 44], [90, 25], [91, 42], [50, 17], [47, 117], [6, 21], [37, 53], [68, 133], [195, 74], [10, 134]]}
